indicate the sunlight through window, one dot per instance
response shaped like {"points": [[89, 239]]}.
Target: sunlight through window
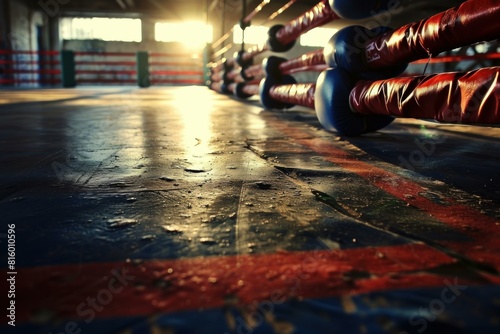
{"points": [[253, 35], [317, 37], [192, 34], [124, 30]]}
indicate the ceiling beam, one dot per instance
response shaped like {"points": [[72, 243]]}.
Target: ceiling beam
{"points": [[213, 4], [121, 4], [158, 5]]}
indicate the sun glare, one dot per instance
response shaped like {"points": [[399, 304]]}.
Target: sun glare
{"points": [[106, 29], [317, 37], [253, 35], [193, 34]]}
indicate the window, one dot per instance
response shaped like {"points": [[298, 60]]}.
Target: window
{"points": [[192, 34], [317, 37], [125, 30], [253, 35]]}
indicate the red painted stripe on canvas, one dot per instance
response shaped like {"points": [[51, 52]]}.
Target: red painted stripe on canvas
{"points": [[210, 282], [482, 229]]}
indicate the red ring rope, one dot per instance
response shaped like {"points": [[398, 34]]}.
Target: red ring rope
{"points": [[317, 16], [301, 94], [470, 97], [314, 17], [250, 16], [471, 22], [314, 59]]}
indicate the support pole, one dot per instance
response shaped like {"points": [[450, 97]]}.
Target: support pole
{"points": [[207, 56], [143, 69], [68, 71]]}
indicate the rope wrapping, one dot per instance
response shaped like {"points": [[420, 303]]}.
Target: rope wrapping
{"points": [[253, 72], [257, 9], [307, 60], [250, 89], [471, 22], [470, 97], [319, 15], [256, 50], [299, 94]]}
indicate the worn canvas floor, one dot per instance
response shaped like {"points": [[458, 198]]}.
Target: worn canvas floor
{"points": [[178, 210]]}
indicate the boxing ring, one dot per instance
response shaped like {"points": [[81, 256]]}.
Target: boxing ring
{"points": [[264, 204], [68, 68]]}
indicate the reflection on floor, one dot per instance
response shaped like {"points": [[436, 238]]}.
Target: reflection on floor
{"points": [[177, 210]]}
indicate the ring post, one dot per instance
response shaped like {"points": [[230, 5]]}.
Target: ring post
{"points": [[143, 69], [68, 73], [207, 56]]}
